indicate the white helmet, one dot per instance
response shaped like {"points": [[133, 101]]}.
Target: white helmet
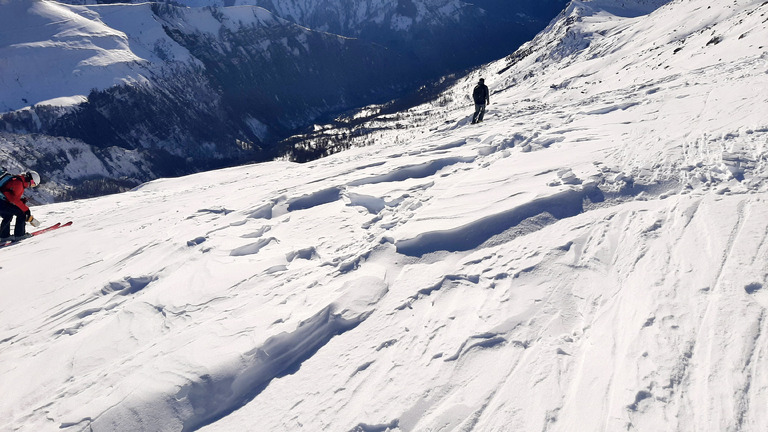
{"points": [[35, 177]]}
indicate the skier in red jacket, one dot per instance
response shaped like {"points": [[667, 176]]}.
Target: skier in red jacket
{"points": [[12, 203]]}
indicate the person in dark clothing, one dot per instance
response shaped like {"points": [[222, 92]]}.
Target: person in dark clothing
{"points": [[482, 98], [12, 203]]}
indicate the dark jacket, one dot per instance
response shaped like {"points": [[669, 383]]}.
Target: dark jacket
{"points": [[481, 95]]}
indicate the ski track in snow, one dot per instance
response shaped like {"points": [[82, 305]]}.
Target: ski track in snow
{"points": [[591, 257]]}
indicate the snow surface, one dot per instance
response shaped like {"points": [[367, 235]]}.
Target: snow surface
{"points": [[592, 257]]}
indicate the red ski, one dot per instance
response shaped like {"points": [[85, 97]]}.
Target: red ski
{"points": [[38, 232], [51, 228]]}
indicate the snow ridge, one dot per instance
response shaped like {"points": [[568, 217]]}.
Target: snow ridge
{"points": [[213, 397]]}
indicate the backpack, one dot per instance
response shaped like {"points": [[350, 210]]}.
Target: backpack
{"points": [[5, 176]]}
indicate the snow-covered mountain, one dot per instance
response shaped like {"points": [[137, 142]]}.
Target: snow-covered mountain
{"points": [[187, 89], [591, 257], [184, 89], [442, 35]]}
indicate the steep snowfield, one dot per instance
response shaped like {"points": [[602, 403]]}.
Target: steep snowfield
{"points": [[56, 53], [592, 257]]}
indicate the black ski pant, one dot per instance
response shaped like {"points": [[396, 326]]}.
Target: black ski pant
{"points": [[8, 211], [479, 113]]}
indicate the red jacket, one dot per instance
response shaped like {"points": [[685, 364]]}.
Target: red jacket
{"points": [[13, 189]]}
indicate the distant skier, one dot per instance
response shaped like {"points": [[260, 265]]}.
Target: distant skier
{"points": [[12, 203], [482, 98]]}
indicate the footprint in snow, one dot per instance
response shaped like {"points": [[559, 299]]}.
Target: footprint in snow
{"points": [[215, 211], [305, 254], [758, 294]]}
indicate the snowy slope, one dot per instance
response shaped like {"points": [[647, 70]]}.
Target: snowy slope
{"points": [[592, 257], [54, 53]]}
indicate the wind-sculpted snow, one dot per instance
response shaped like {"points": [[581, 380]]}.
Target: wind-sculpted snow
{"points": [[234, 382], [474, 234], [413, 171], [590, 257], [213, 397]]}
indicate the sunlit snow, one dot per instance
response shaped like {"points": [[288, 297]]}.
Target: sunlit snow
{"points": [[592, 257]]}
